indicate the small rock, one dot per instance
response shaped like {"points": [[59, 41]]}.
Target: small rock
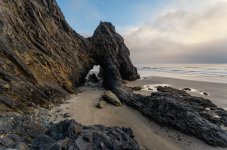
{"points": [[59, 110], [22, 146], [123, 81], [207, 109], [204, 93], [216, 116], [101, 104], [66, 115], [149, 89], [102, 145], [111, 98], [186, 89], [136, 88]]}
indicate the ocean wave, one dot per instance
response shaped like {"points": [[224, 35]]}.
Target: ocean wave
{"points": [[211, 71]]}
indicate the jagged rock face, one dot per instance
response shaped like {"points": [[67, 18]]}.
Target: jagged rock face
{"points": [[69, 134], [42, 58], [24, 131], [112, 55], [177, 109]]}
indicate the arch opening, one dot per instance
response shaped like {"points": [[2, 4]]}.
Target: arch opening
{"points": [[94, 77]]}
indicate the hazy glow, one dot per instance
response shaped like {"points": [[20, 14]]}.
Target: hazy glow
{"points": [[197, 29], [168, 31]]}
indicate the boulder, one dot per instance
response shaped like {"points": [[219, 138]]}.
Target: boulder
{"points": [[136, 88], [69, 134], [25, 133], [111, 98], [186, 89], [93, 78], [101, 104]]}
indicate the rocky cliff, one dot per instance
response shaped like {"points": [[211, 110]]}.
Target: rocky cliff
{"points": [[43, 59]]}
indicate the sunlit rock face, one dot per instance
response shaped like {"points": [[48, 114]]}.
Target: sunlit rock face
{"points": [[42, 58]]}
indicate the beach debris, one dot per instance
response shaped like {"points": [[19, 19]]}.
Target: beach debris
{"points": [[111, 98], [101, 104]]}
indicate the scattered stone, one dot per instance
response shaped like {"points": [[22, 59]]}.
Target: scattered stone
{"points": [[101, 104], [204, 93], [111, 98], [207, 109], [186, 89], [66, 115], [136, 88], [22, 146], [149, 89], [58, 110]]}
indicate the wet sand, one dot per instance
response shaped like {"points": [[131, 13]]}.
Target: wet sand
{"points": [[150, 135]]}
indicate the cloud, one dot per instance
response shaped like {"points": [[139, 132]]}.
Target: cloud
{"points": [[182, 31]]}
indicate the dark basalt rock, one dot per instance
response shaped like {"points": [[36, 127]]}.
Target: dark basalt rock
{"points": [[179, 110], [186, 89], [112, 55], [93, 78], [69, 134], [42, 60], [19, 131], [16, 129]]}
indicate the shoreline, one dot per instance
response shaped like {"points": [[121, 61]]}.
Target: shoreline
{"points": [[82, 108], [216, 91]]}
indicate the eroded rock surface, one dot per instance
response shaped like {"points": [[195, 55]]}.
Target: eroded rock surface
{"points": [[111, 98], [42, 58], [19, 131], [177, 109], [69, 134]]}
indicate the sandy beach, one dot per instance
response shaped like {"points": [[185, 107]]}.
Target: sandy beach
{"points": [[150, 135]]}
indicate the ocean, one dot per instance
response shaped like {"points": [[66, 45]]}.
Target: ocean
{"points": [[200, 72]]}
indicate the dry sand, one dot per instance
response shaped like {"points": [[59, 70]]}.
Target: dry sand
{"points": [[150, 135]]}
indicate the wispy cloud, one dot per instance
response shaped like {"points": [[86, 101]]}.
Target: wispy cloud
{"points": [[182, 31]]}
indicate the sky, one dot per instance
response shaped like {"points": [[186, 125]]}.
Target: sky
{"points": [[158, 31]]}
